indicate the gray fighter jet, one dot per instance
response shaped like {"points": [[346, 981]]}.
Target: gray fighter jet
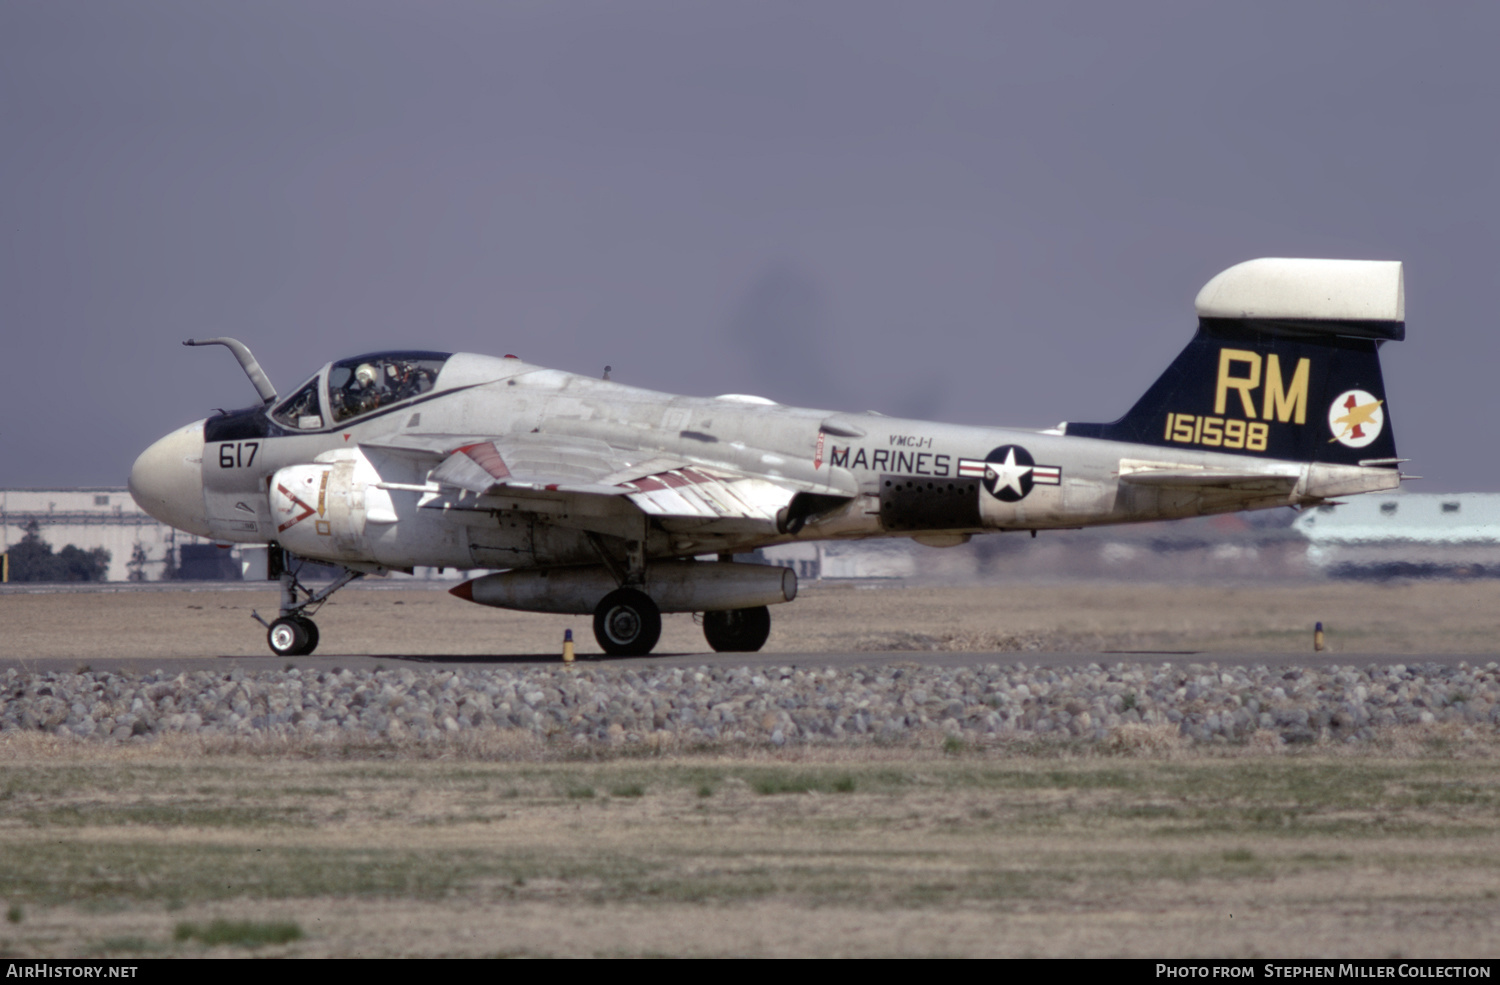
{"points": [[583, 495]]}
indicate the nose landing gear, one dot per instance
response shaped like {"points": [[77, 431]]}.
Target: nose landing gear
{"points": [[293, 633], [293, 636]]}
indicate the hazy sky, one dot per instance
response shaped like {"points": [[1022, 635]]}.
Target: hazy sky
{"points": [[991, 213]]}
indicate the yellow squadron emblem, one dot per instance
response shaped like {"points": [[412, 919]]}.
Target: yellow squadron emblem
{"points": [[1355, 418]]}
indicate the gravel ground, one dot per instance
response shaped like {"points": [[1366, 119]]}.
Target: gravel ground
{"points": [[610, 706]]}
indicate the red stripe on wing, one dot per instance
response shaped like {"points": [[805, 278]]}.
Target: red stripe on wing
{"points": [[487, 457]]}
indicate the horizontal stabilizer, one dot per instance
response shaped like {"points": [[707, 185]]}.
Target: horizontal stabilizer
{"points": [[1204, 478]]}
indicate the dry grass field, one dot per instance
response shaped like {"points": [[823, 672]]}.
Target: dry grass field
{"points": [[498, 846], [1395, 618], [166, 851]]}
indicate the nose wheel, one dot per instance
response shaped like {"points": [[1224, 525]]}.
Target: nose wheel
{"points": [[293, 636], [627, 623]]}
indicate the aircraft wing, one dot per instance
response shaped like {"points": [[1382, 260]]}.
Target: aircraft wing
{"points": [[683, 496], [558, 464]]}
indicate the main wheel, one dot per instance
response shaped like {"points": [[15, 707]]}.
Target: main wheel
{"points": [[627, 623], [291, 636], [737, 630]]}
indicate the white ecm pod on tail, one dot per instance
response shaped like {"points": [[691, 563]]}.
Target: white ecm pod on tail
{"points": [[1311, 290]]}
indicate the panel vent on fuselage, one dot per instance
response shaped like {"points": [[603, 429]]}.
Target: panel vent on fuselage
{"points": [[928, 504]]}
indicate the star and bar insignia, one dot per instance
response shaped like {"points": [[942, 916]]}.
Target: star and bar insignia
{"points": [[1009, 472]]}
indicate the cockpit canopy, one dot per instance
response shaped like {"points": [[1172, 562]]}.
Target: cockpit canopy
{"points": [[359, 386]]}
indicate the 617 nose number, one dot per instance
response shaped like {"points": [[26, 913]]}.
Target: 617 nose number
{"points": [[237, 454]]}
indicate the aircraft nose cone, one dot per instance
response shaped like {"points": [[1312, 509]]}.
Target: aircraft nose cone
{"points": [[167, 480]]}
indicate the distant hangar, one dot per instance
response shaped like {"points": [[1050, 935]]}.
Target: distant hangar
{"points": [[1405, 535], [107, 517]]}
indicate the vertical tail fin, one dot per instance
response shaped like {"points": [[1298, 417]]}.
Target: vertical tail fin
{"points": [[1285, 365]]}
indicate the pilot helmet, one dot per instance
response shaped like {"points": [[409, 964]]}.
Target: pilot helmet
{"points": [[365, 375]]}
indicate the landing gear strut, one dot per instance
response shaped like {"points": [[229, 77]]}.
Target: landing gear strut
{"points": [[293, 633], [737, 630]]}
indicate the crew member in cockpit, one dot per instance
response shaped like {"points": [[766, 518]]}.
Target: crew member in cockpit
{"points": [[371, 394], [360, 395]]}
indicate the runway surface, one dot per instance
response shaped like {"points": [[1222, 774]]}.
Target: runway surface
{"points": [[142, 628], [144, 665]]}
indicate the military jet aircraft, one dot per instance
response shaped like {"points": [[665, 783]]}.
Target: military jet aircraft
{"points": [[582, 495]]}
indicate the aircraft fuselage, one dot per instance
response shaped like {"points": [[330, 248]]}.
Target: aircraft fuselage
{"points": [[571, 484], [908, 478]]}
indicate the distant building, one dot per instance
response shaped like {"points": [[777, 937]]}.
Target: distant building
{"points": [[104, 517], [843, 559], [1231, 545], [107, 517], [1405, 534]]}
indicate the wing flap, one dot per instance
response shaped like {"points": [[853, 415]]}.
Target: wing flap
{"points": [[709, 494]]}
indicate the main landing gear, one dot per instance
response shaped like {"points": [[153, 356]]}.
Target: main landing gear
{"points": [[737, 630], [628, 624], [293, 633]]}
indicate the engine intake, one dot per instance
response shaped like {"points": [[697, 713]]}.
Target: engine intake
{"points": [[322, 510]]}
